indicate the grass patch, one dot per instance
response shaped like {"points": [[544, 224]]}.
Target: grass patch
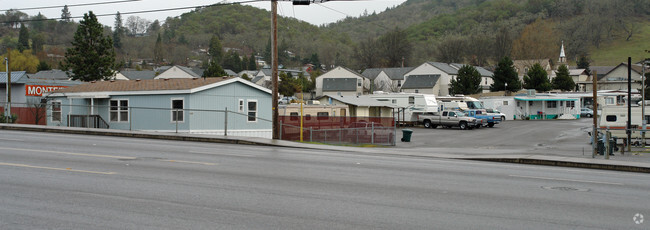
{"points": [[616, 52]]}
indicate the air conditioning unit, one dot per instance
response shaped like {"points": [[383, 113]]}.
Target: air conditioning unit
{"points": [[530, 92]]}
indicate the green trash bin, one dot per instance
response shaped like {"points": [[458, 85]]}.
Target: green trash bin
{"points": [[406, 135]]}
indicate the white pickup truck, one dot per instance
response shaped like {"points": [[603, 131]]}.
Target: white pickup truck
{"points": [[447, 119]]}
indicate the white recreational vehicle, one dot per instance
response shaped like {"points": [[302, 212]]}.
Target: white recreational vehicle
{"points": [[410, 105], [614, 116], [459, 102]]}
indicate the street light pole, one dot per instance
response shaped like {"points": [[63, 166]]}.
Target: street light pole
{"points": [[505, 93]]}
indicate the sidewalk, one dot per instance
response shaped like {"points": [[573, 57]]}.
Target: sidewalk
{"points": [[515, 155]]}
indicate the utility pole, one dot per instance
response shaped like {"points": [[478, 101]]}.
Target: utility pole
{"points": [[274, 67], [8, 59], [629, 104], [594, 133]]}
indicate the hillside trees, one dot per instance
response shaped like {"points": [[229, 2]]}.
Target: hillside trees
{"points": [[65, 14], [23, 38], [92, 56], [395, 48], [118, 31], [535, 42]]}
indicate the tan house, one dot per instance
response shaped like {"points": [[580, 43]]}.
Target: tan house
{"points": [[341, 81], [616, 79], [522, 66]]}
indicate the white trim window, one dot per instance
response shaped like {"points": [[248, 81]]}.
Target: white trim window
{"points": [[56, 111], [119, 111], [241, 105], [178, 104], [252, 110]]}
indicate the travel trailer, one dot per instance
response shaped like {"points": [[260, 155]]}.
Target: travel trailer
{"points": [[410, 105], [459, 102], [614, 116]]}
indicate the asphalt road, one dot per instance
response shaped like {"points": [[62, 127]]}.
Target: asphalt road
{"points": [[61, 181]]}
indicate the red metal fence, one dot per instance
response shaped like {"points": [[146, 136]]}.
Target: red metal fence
{"points": [[356, 130]]}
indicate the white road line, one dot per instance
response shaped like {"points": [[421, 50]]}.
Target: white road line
{"points": [[226, 154], [8, 139], [189, 162], [57, 169], [571, 180], [69, 153]]}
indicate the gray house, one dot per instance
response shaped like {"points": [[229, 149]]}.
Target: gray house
{"points": [[166, 105]]}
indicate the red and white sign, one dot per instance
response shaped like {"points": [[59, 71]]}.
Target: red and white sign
{"points": [[39, 90]]}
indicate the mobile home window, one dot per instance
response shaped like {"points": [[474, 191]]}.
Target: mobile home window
{"points": [[570, 104], [411, 100], [506, 103], [56, 111], [119, 111], [359, 82], [610, 118], [417, 91], [177, 110], [241, 105], [252, 111], [293, 116], [322, 115], [551, 104]]}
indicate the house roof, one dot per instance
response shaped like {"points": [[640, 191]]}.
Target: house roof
{"points": [[360, 101], [257, 78], [339, 84], [574, 72], [397, 73], [188, 71], [142, 75], [230, 72], [54, 74], [484, 72], [444, 67], [421, 81], [16, 77], [372, 73], [198, 71], [151, 86], [601, 70]]}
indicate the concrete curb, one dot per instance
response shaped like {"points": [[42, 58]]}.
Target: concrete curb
{"points": [[570, 164], [519, 159]]}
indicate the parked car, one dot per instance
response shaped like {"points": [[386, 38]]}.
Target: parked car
{"points": [[586, 112], [496, 113], [447, 119]]}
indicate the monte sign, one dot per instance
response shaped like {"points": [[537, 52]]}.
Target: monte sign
{"points": [[39, 90]]}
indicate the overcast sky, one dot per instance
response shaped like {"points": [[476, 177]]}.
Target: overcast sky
{"points": [[316, 14]]}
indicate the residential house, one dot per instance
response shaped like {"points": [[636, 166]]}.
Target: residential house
{"points": [[177, 72], [135, 75], [341, 81], [386, 79], [427, 72], [616, 78], [166, 105], [54, 74]]}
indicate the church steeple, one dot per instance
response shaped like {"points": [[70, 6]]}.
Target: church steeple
{"points": [[562, 56]]}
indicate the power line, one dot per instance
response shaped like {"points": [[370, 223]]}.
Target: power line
{"points": [[138, 12], [74, 5]]}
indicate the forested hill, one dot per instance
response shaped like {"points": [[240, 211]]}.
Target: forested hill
{"points": [[478, 32]]}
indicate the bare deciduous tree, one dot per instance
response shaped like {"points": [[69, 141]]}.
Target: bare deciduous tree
{"points": [[136, 25]]}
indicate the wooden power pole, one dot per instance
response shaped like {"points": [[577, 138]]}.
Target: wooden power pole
{"points": [[274, 67]]}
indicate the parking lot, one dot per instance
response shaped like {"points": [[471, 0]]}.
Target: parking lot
{"points": [[539, 137]]}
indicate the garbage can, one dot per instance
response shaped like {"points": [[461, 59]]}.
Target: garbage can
{"points": [[406, 135], [612, 146]]}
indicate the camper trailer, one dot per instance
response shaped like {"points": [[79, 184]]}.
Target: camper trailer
{"points": [[459, 102], [410, 105]]}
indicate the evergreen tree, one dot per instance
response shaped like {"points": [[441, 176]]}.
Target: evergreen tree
{"points": [[288, 85], [537, 79], [118, 31], [314, 61], [505, 73], [65, 14], [232, 61], [252, 63], [92, 56], [468, 81], [214, 70], [23, 38], [562, 80], [158, 51], [244, 62], [38, 23], [37, 42], [42, 65], [215, 50], [246, 77], [583, 63]]}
